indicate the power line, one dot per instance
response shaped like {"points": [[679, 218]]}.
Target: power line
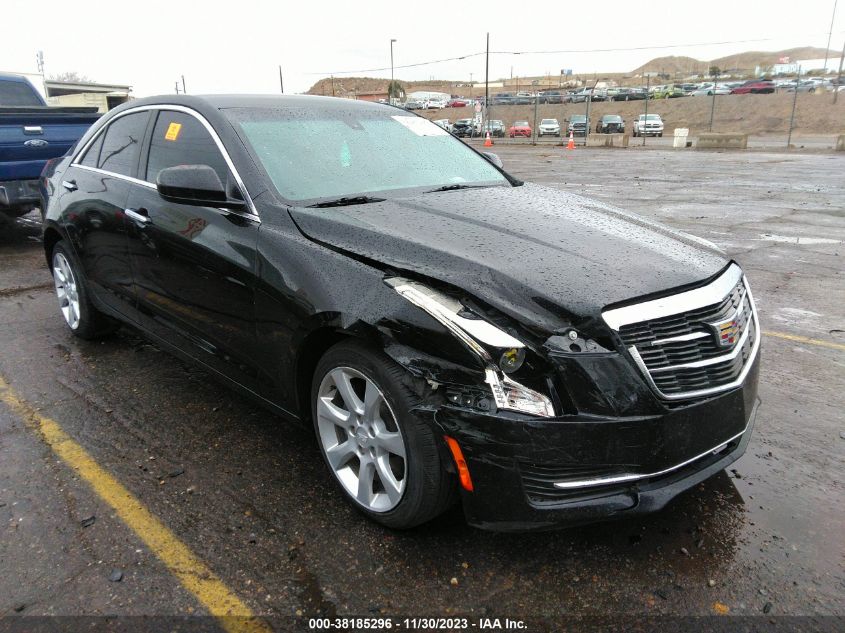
{"points": [[564, 51]]}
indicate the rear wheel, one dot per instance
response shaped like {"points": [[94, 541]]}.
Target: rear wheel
{"points": [[383, 457], [80, 315]]}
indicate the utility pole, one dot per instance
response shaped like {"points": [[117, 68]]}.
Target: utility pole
{"points": [[794, 102], [39, 59], [183, 85], [177, 87], [470, 86], [281, 81], [390, 88], [713, 102], [829, 34], [645, 121], [332, 85], [839, 75], [486, 118]]}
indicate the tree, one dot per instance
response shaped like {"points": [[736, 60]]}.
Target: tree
{"points": [[71, 77], [395, 90], [715, 71]]}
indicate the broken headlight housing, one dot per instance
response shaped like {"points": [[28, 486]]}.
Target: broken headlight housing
{"points": [[500, 352]]}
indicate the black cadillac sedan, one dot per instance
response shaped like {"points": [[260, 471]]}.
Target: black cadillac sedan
{"points": [[451, 333]]}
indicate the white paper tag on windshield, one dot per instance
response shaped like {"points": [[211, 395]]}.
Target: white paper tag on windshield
{"points": [[420, 126]]}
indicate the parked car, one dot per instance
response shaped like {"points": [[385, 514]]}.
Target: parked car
{"points": [[611, 124], [578, 125], [414, 105], [548, 127], [648, 125], [593, 94], [444, 123], [456, 103], [755, 86], [464, 127], [667, 92], [32, 133], [553, 96], [808, 86], [435, 104], [414, 304], [707, 89], [627, 94], [520, 128], [495, 127], [503, 98]]}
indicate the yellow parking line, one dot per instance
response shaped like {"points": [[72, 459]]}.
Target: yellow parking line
{"points": [[805, 339], [234, 616]]}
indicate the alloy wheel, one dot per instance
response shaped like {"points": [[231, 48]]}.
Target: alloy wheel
{"points": [[67, 290], [361, 439]]}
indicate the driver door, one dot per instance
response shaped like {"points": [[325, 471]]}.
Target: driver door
{"points": [[193, 267]]}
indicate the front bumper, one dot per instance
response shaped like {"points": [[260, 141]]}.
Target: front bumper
{"points": [[516, 461], [19, 193]]}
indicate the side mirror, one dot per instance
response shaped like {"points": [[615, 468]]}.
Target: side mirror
{"points": [[494, 158], [194, 184]]}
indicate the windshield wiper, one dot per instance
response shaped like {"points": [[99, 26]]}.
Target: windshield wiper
{"points": [[347, 201], [458, 186]]}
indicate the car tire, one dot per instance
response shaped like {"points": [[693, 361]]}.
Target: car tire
{"points": [[83, 319], [660, 134], [386, 441]]}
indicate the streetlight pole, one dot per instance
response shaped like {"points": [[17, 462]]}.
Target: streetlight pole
{"points": [[829, 34], [390, 88], [794, 103], [839, 75]]}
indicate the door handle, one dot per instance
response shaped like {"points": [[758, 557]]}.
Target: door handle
{"points": [[139, 215], [70, 185]]}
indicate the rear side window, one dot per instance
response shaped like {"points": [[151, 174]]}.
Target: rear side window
{"points": [[122, 144], [180, 139], [92, 154], [18, 93]]}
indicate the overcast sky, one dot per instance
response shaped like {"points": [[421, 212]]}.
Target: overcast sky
{"points": [[237, 46]]}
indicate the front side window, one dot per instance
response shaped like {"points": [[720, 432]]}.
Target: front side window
{"points": [[320, 151], [122, 144], [180, 139]]}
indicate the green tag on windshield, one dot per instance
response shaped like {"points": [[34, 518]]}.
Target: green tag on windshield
{"points": [[345, 155]]}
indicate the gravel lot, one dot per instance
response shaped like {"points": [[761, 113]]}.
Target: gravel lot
{"points": [[249, 495]]}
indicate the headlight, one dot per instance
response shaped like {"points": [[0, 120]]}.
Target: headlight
{"points": [[479, 336]]}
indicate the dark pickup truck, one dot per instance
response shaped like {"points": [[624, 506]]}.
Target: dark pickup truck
{"points": [[32, 133]]}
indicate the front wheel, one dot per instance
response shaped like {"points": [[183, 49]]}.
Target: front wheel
{"points": [[383, 457]]}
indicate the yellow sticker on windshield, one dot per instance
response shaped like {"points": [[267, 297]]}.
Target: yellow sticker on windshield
{"points": [[173, 131]]}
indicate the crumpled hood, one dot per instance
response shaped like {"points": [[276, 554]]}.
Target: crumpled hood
{"points": [[545, 257]]}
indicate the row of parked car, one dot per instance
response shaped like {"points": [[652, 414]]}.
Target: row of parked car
{"points": [[667, 91], [577, 125]]}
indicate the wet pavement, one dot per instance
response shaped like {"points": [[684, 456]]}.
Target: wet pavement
{"points": [[249, 495]]}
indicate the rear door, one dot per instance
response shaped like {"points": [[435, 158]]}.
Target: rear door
{"points": [[194, 267], [93, 196]]}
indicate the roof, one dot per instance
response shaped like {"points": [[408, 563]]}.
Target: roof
{"points": [[222, 102], [10, 77], [85, 86]]}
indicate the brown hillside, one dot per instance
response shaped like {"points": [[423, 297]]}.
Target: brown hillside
{"points": [[751, 59], [673, 64], [746, 61], [349, 86]]}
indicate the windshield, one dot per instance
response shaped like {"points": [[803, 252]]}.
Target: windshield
{"points": [[521, 124], [650, 117], [578, 118], [612, 118], [314, 152], [548, 122]]}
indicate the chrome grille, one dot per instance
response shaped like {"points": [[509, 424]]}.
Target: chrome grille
{"points": [[675, 340]]}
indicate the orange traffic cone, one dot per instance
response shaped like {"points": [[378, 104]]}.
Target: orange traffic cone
{"points": [[488, 142], [571, 143]]}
